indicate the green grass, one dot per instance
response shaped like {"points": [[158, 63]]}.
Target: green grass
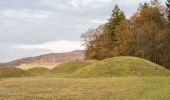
{"points": [[122, 66], [70, 67], [7, 72], [39, 70], [129, 88]]}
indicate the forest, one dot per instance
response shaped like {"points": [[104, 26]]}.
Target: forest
{"points": [[146, 34]]}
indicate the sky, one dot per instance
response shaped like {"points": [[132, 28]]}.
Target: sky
{"points": [[36, 27]]}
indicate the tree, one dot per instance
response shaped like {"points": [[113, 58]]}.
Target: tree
{"points": [[100, 46], [168, 10], [122, 32], [149, 34], [109, 31], [144, 35], [155, 3], [92, 39]]}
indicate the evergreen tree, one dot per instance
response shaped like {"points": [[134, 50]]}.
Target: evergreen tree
{"points": [[109, 31]]}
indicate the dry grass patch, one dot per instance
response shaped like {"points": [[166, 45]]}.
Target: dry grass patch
{"points": [[44, 65]]}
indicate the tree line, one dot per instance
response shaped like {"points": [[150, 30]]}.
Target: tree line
{"points": [[146, 34]]}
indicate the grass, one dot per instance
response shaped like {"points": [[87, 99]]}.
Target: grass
{"points": [[129, 88], [7, 72], [39, 70], [70, 67], [118, 78], [122, 66]]}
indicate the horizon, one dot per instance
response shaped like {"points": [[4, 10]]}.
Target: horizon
{"points": [[32, 28], [41, 55]]}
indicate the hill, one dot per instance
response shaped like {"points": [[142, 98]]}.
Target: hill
{"points": [[71, 67], [38, 70], [48, 58], [122, 66], [7, 72]]}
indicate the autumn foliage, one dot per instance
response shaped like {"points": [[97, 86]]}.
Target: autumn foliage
{"points": [[146, 34]]}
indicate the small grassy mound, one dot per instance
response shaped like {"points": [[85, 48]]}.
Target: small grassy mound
{"points": [[122, 66], [38, 70], [71, 67], [9, 72]]}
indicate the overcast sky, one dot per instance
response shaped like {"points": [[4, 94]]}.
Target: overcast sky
{"points": [[34, 27]]}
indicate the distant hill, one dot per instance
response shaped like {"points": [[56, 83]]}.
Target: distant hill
{"points": [[48, 58]]}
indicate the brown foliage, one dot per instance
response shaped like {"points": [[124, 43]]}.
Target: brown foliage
{"points": [[146, 34]]}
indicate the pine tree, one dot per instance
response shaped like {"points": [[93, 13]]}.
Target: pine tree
{"points": [[110, 36], [168, 9]]}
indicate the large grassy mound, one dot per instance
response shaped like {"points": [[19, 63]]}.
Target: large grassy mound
{"points": [[71, 67], [38, 70], [8, 72], [122, 66]]}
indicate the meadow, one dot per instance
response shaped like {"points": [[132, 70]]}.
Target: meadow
{"points": [[117, 78], [129, 88]]}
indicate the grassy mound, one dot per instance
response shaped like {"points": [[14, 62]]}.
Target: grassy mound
{"points": [[8, 72], [122, 66], [38, 70], [71, 67]]}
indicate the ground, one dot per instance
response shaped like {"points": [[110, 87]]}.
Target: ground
{"points": [[51, 88]]}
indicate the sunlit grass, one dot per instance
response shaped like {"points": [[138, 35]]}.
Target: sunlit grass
{"points": [[130, 88]]}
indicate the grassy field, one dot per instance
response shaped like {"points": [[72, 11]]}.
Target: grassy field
{"points": [[117, 78], [130, 88]]}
